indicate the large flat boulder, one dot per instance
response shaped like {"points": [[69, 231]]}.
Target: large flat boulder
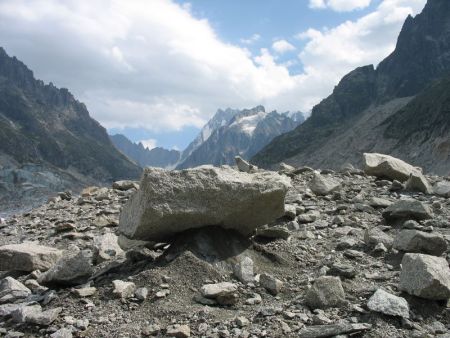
{"points": [[28, 256], [407, 209], [420, 242], [170, 202], [386, 166]]}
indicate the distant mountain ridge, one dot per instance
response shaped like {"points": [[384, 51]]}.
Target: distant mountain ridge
{"points": [[45, 131], [357, 116], [156, 157], [237, 132]]}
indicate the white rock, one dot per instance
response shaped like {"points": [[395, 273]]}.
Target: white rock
{"points": [[107, 247], [124, 289], [244, 270], [386, 166], [384, 302]]}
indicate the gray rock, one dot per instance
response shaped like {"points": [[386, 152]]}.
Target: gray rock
{"points": [[386, 166], [418, 182], [12, 290], [7, 309], [27, 256], [178, 331], [243, 270], [342, 269], [321, 185], [420, 242], [407, 209], [72, 269], [377, 202], [243, 165], [384, 302], [270, 283], [273, 232], [442, 188], [33, 314], [169, 202], [332, 330], [123, 289], [85, 292], [141, 293], [223, 293], [107, 247], [425, 276], [326, 292], [62, 333], [290, 211], [125, 185], [375, 236]]}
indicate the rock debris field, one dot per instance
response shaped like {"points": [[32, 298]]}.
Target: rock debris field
{"points": [[234, 252]]}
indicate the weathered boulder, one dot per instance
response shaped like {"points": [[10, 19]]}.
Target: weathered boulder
{"points": [[12, 290], [123, 289], [125, 185], [170, 202], [72, 269], [407, 209], [327, 291], [28, 256], [418, 182], [420, 242], [223, 293], [386, 166], [321, 185], [243, 165], [33, 314], [442, 188], [384, 302], [425, 276]]}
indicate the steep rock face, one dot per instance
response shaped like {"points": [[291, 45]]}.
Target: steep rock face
{"points": [[156, 157], [245, 133], [354, 118], [41, 124]]}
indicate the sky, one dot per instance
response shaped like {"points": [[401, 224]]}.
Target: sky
{"points": [[157, 70]]}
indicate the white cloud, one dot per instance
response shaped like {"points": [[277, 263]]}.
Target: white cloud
{"points": [[282, 46], [149, 144], [339, 5], [151, 64], [251, 40]]}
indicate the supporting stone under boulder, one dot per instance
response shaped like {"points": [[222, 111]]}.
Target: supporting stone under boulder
{"points": [[170, 202]]}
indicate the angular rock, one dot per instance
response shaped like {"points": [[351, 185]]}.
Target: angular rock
{"points": [[321, 185], [385, 166], [224, 293], [7, 309], [244, 270], [62, 333], [377, 202], [85, 292], [107, 247], [420, 242], [141, 293], [123, 289], [72, 269], [290, 211], [407, 209], [27, 256], [270, 283], [33, 314], [12, 290], [178, 331], [375, 236], [125, 185], [322, 331], [326, 292], [243, 165], [425, 276], [418, 182], [384, 302], [170, 202], [273, 232], [442, 188]]}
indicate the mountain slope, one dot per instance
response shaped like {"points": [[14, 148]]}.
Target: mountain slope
{"points": [[365, 96], [156, 157], [44, 126], [244, 134]]}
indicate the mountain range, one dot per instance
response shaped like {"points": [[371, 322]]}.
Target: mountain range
{"points": [[48, 141], [156, 157], [234, 132], [399, 108]]}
